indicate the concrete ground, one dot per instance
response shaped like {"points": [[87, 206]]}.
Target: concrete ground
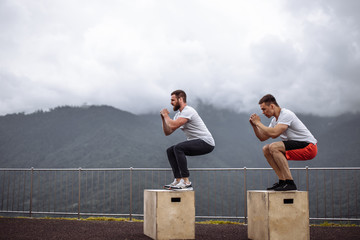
{"points": [[24, 228]]}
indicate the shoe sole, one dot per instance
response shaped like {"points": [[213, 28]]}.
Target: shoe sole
{"points": [[293, 190], [182, 189], [285, 190], [185, 188]]}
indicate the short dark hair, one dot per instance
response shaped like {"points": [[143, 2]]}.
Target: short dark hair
{"points": [[179, 94], [268, 99]]}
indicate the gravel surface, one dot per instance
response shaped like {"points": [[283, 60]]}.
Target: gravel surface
{"points": [[24, 228]]}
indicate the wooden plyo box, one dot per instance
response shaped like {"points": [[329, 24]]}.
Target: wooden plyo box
{"points": [[169, 214], [278, 215]]}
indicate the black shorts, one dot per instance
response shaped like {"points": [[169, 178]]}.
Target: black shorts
{"points": [[291, 145]]}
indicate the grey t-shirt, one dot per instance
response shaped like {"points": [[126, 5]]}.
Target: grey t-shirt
{"points": [[296, 131], [195, 127]]}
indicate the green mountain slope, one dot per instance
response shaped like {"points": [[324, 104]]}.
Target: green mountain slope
{"points": [[103, 136]]}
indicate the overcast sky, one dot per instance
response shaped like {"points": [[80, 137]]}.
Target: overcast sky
{"points": [[132, 54]]}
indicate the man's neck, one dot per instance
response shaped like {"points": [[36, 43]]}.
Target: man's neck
{"points": [[182, 107], [277, 113]]}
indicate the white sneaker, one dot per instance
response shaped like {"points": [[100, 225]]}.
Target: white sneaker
{"points": [[182, 186], [173, 184]]}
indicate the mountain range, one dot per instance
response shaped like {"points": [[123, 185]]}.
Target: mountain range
{"points": [[106, 137]]}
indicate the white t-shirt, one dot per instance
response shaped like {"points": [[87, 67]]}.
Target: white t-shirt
{"points": [[296, 131], [195, 128]]}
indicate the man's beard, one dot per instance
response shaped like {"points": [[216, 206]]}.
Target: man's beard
{"points": [[176, 107]]}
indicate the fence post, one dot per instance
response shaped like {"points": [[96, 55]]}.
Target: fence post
{"points": [[307, 178], [31, 190], [245, 196], [130, 203], [79, 200]]}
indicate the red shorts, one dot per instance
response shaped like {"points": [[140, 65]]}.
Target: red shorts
{"points": [[306, 153]]}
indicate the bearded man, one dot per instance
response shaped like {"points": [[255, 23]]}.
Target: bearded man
{"points": [[199, 139]]}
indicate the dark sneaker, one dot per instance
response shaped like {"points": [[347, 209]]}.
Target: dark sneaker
{"points": [[287, 187], [276, 185], [182, 186]]}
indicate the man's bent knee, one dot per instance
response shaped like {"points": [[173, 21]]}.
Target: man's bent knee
{"points": [[177, 148], [170, 150], [276, 147], [266, 149]]}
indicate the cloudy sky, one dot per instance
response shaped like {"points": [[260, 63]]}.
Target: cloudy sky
{"points": [[132, 54]]}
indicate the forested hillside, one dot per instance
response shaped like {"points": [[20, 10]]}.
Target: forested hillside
{"points": [[103, 136]]}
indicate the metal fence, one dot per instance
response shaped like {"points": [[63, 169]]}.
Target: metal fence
{"points": [[220, 193]]}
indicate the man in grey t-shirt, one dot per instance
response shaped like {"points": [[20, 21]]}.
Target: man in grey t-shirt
{"points": [[297, 141], [199, 139]]}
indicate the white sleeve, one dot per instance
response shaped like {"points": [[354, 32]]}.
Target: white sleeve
{"points": [[286, 118], [187, 113]]}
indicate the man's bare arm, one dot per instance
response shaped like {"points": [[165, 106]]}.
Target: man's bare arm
{"points": [[166, 129], [169, 125], [259, 134], [263, 132]]}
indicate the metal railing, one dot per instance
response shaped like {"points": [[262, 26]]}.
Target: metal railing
{"points": [[220, 192]]}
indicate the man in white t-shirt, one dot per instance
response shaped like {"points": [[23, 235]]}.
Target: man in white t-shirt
{"points": [[199, 139], [297, 141]]}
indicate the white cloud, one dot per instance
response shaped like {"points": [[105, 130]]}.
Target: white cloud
{"points": [[132, 54]]}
